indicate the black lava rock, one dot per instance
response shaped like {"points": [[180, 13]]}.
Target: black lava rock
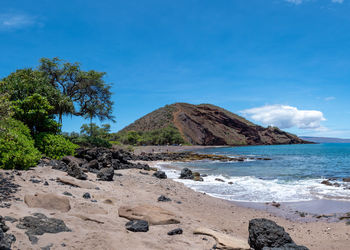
{"points": [[175, 231], [266, 234], [137, 226], [160, 175], [6, 240], [186, 174], [106, 174], [40, 224], [75, 171], [163, 198], [87, 196], [67, 193]]}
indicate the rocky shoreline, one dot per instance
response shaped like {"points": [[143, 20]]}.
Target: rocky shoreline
{"points": [[104, 199]]}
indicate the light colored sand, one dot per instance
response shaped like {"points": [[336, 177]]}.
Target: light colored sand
{"points": [[196, 210]]}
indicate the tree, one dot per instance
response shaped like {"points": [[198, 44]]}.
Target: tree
{"points": [[86, 89], [34, 111], [27, 82]]}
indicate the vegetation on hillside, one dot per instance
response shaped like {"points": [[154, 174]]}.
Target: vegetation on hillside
{"points": [[163, 136]]}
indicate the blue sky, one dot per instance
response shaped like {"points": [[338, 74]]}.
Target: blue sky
{"points": [[280, 62]]}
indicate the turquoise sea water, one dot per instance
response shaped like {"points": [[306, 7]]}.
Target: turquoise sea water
{"points": [[295, 173]]}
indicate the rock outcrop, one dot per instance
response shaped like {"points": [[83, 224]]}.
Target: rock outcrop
{"points": [[265, 234], [206, 124], [48, 201]]}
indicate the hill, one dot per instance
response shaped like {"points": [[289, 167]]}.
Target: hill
{"points": [[206, 124], [325, 139]]}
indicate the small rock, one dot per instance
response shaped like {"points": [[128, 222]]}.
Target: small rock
{"points": [[87, 196], [175, 231], [160, 175], [48, 247], [93, 200], [346, 179], [67, 193], [46, 183], [218, 179], [186, 173], [137, 226], [326, 183], [35, 181], [230, 182], [163, 198]]}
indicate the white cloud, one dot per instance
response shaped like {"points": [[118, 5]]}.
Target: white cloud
{"points": [[329, 98], [16, 21], [284, 116]]}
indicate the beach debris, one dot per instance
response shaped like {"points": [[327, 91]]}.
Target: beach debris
{"points": [[86, 218], [160, 175], [6, 240], [39, 224], [163, 198], [175, 231], [153, 214], [48, 201], [224, 241], [106, 174], [275, 204], [86, 196], [137, 226], [266, 234], [76, 183], [186, 173]]}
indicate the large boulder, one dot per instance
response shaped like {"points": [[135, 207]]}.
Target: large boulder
{"points": [[48, 201], [75, 171], [153, 214], [106, 174], [266, 234], [186, 174], [224, 241]]}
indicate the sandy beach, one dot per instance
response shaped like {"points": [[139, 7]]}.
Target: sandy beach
{"points": [[95, 223]]}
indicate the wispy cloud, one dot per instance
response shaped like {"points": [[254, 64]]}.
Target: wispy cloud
{"points": [[296, 2], [284, 116], [329, 98], [16, 21]]}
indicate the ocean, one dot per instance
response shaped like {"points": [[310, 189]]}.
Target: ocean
{"points": [[293, 174]]}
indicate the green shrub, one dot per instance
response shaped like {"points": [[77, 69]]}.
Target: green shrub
{"points": [[87, 141], [17, 149], [54, 146]]}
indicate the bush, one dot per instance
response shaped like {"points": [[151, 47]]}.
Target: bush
{"points": [[87, 141], [54, 146], [17, 149]]}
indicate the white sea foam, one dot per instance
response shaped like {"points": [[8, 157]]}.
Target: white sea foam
{"points": [[249, 188]]}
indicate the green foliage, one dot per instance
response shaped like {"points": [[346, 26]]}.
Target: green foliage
{"points": [[17, 149], [54, 146], [5, 106], [168, 135], [91, 135], [34, 111], [86, 89]]}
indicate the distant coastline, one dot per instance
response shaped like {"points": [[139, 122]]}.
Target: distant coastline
{"points": [[324, 139]]}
